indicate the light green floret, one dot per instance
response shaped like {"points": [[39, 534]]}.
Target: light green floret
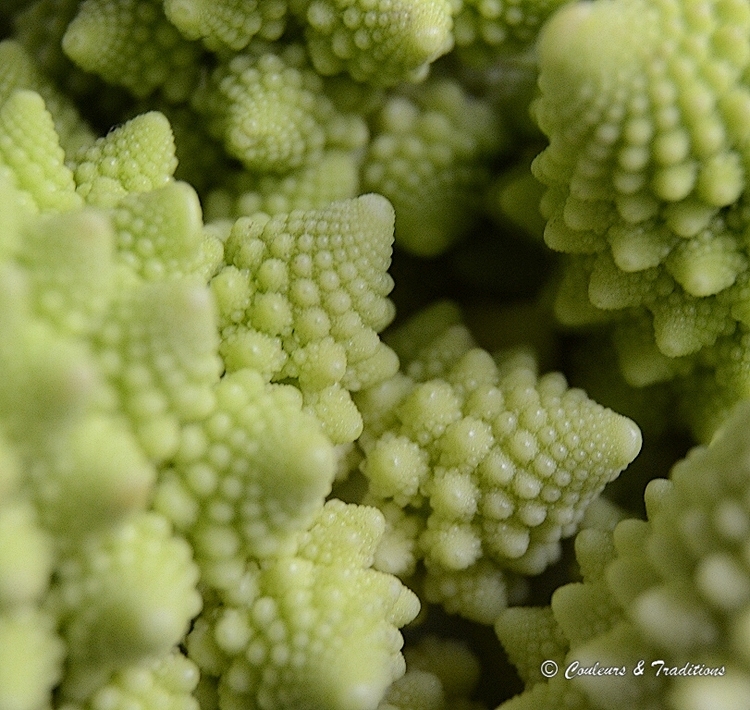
{"points": [[167, 684], [18, 70], [303, 297], [160, 235], [333, 177], [478, 592], [90, 480], [248, 479], [26, 555], [381, 43], [31, 658], [126, 596], [318, 629], [99, 370], [658, 140], [720, 378], [228, 23], [428, 156], [136, 157], [675, 587], [498, 461], [69, 260], [158, 353], [30, 152], [681, 324], [530, 636], [131, 43], [483, 28], [270, 110], [647, 157], [49, 379]]}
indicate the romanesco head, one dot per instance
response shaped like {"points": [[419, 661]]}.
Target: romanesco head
{"points": [[304, 295], [270, 111], [131, 43], [429, 155], [240, 487], [228, 23], [100, 372], [381, 43], [648, 194], [19, 70], [487, 450], [136, 157], [674, 587], [31, 154], [124, 596], [315, 629]]}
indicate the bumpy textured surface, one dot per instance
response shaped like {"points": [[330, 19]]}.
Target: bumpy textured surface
{"points": [[31, 151], [481, 28], [647, 192], [159, 352], [429, 155], [316, 629], [270, 112], [127, 595], [228, 23], [498, 461], [239, 487], [159, 234], [334, 176], [72, 277], [304, 296], [80, 558], [85, 473], [719, 379], [652, 178], [167, 683], [381, 43], [193, 284], [675, 588], [478, 592], [110, 350], [650, 153], [18, 70], [135, 157], [131, 43]]}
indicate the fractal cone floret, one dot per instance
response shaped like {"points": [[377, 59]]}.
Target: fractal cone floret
{"points": [[351, 351]]}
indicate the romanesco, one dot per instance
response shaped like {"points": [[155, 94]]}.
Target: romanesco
{"points": [[131, 43], [497, 462], [429, 156], [672, 590], [315, 628], [647, 194], [303, 296], [244, 463]]}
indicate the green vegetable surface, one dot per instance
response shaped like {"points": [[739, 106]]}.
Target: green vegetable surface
{"points": [[374, 354]]}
